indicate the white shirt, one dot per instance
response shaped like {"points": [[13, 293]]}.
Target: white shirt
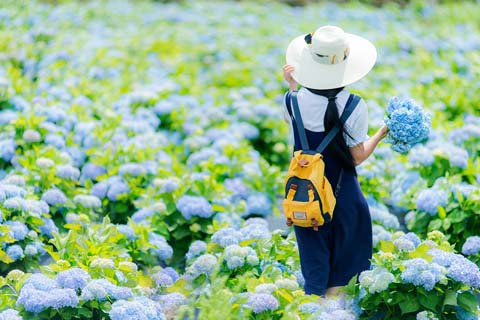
{"points": [[312, 109]]}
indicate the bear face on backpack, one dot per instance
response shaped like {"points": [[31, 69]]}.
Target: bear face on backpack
{"points": [[309, 198]]}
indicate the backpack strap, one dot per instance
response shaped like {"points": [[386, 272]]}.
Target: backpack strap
{"points": [[296, 117], [352, 102]]}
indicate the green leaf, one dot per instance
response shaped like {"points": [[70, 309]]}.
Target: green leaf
{"points": [[467, 301], [429, 301], [435, 224], [450, 298], [409, 305], [441, 212], [421, 252]]}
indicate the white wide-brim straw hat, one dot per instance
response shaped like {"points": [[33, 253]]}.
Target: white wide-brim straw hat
{"points": [[330, 58]]}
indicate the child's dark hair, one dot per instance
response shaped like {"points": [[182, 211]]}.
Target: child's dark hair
{"points": [[338, 144]]}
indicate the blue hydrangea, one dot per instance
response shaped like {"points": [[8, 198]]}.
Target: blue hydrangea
{"points": [[10, 314], [300, 279], [379, 233], [413, 238], [54, 197], [421, 273], [30, 250], [100, 289], [464, 271], [170, 303], [429, 199], [236, 256], [190, 206], [255, 231], [464, 189], [132, 169], [36, 207], [15, 252], [34, 300], [74, 278], [67, 172], [239, 189], [117, 189], [205, 264], [260, 302], [140, 308], [18, 228], [404, 244], [266, 288], [457, 156], [100, 189], [7, 149], [168, 185], [465, 133], [309, 308], [12, 190], [48, 227], [226, 236], [142, 214], [408, 124], [92, 171], [161, 248], [381, 215], [258, 204], [420, 155], [127, 231], [196, 248], [471, 245], [40, 292], [88, 201]]}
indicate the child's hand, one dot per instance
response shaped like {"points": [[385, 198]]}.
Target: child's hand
{"points": [[383, 131], [287, 75]]}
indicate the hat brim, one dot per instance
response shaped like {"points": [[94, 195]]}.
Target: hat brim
{"points": [[312, 74]]}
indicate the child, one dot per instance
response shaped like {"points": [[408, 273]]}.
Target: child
{"points": [[324, 62]]}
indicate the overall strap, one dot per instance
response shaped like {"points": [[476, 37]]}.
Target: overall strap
{"points": [[352, 102], [297, 118]]}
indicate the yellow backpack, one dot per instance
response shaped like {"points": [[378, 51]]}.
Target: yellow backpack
{"points": [[309, 198]]}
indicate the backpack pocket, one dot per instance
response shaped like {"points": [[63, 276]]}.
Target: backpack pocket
{"points": [[301, 213]]}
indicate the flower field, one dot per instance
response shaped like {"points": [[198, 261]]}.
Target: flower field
{"points": [[143, 151]]}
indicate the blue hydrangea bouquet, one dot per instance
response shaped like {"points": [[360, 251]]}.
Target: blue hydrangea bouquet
{"points": [[408, 124]]}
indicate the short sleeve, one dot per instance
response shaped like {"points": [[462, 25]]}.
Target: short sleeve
{"points": [[357, 125]]}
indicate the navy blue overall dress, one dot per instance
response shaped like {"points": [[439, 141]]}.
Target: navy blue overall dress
{"points": [[341, 249]]}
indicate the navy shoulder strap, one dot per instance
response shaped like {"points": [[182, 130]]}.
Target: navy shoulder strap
{"points": [[297, 118], [352, 102]]}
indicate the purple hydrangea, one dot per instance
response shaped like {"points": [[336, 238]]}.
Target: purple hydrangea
{"points": [[190, 206], [407, 122], [161, 248]]}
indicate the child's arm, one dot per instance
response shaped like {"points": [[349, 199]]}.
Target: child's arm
{"points": [[287, 75], [363, 150]]}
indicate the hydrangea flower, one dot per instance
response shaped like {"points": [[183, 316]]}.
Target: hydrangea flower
{"points": [[88, 201], [407, 122], [226, 236], [102, 263], [127, 231], [260, 302], [92, 171], [74, 278], [132, 169], [54, 197], [429, 199], [421, 273], [465, 271], [30, 250], [67, 172], [162, 249], [18, 228], [117, 189], [99, 289], [170, 303], [236, 256], [258, 204], [196, 248], [48, 227], [205, 264], [426, 315], [457, 156], [471, 246], [10, 314], [15, 252], [190, 206], [385, 218], [404, 244], [376, 280], [420, 155], [140, 308]]}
